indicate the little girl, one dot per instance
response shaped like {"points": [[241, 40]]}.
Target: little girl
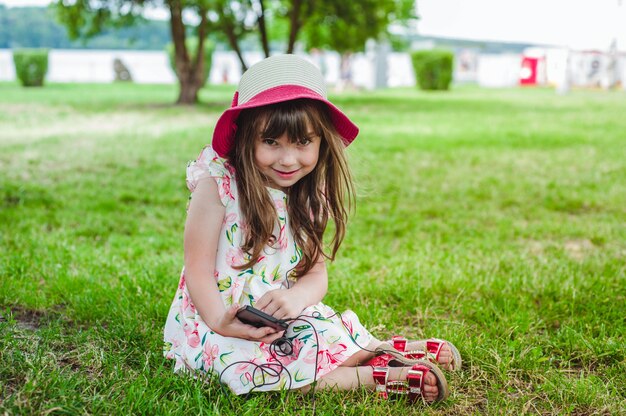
{"points": [[262, 195]]}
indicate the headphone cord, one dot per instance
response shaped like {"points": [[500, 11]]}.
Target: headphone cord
{"points": [[283, 347]]}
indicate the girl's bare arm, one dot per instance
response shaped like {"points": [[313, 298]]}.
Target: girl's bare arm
{"points": [[202, 229], [204, 222]]}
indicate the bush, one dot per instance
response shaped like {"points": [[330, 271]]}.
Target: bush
{"points": [[433, 69], [31, 66], [192, 47]]}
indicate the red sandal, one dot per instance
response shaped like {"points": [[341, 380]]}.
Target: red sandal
{"points": [[398, 356], [413, 387]]}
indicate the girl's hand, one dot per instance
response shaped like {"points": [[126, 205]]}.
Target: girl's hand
{"points": [[281, 304], [229, 326]]}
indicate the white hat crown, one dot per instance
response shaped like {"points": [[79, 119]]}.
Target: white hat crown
{"points": [[277, 71]]}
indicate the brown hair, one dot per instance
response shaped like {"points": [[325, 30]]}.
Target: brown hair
{"points": [[326, 192]]}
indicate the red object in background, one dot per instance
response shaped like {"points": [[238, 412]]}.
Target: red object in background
{"points": [[528, 72]]}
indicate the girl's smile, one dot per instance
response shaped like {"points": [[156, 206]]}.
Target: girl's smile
{"points": [[286, 175]]}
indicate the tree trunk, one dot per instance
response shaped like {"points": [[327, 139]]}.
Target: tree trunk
{"points": [[189, 73], [188, 93], [263, 30], [294, 24], [198, 65]]}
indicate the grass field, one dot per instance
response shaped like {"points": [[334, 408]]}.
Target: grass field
{"points": [[492, 218]]}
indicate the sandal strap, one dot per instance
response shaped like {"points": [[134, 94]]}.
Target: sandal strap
{"points": [[415, 355], [399, 342], [434, 346], [380, 375], [415, 379], [413, 387], [431, 351], [380, 361]]}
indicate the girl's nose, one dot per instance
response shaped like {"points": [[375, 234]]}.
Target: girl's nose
{"points": [[287, 157]]}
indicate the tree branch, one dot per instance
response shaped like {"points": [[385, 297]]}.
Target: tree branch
{"points": [[228, 26], [263, 30], [294, 24], [178, 36], [198, 64]]}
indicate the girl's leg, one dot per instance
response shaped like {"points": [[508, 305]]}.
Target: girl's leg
{"points": [[362, 356], [348, 378]]}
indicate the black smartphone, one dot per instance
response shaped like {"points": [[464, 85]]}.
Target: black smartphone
{"points": [[252, 316]]}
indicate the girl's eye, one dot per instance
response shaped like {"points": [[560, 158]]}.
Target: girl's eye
{"points": [[270, 142], [304, 142]]}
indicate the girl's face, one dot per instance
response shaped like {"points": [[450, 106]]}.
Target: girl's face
{"points": [[283, 161]]}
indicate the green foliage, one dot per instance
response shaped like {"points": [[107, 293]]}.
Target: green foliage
{"points": [[36, 27], [399, 43], [433, 68], [84, 18], [31, 66], [191, 43], [355, 22]]}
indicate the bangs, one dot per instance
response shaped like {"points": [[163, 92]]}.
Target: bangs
{"points": [[297, 118]]}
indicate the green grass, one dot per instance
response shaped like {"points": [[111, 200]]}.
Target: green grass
{"points": [[492, 218]]}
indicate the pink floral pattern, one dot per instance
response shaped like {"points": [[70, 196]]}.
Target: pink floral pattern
{"points": [[192, 345], [234, 257], [209, 353], [330, 355]]}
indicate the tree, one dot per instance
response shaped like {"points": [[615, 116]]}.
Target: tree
{"points": [[345, 26], [87, 18], [334, 24], [234, 20], [337, 24]]}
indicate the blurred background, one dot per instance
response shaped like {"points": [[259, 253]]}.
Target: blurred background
{"points": [[363, 45]]}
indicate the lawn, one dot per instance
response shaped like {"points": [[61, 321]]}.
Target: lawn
{"points": [[493, 218]]}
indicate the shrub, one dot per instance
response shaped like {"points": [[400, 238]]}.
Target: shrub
{"points": [[31, 66], [192, 47], [433, 69]]}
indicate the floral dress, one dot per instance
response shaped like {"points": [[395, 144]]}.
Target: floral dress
{"points": [[319, 345]]}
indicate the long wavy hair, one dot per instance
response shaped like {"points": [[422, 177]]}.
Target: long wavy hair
{"points": [[325, 193]]}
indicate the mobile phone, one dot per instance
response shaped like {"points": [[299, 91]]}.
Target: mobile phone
{"points": [[252, 316]]}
